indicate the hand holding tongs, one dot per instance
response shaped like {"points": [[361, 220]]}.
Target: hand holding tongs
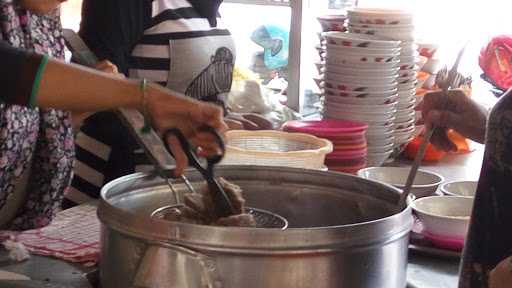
{"points": [[223, 206], [160, 154], [445, 80]]}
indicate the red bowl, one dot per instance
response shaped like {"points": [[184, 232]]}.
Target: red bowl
{"points": [[350, 153], [337, 148], [347, 162]]}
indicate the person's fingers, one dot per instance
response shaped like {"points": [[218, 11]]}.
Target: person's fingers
{"points": [[262, 122], [179, 155], [108, 67], [441, 140], [444, 119], [249, 125], [234, 125]]}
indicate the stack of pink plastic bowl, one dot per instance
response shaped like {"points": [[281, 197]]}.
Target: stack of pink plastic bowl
{"points": [[348, 139]]}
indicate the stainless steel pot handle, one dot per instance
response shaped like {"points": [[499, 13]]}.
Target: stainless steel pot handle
{"points": [[165, 265]]}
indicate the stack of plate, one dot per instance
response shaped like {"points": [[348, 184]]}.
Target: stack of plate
{"points": [[359, 82], [396, 25], [347, 137], [332, 22]]}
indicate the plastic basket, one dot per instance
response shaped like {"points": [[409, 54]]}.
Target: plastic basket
{"points": [[276, 148]]}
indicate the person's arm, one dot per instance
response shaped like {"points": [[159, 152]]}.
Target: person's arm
{"points": [[41, 6], [56, 84], [453, 111]]}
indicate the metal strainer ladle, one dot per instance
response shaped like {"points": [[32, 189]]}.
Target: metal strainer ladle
{"points": [[160, 156], [263, 218]]}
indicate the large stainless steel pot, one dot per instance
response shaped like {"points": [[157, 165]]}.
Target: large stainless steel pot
{"points": [[343, 234]]}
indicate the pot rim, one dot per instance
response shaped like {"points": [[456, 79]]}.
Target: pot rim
{"points": [[151, 229]]}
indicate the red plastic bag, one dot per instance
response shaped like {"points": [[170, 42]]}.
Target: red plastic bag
{"points": [[496, 61]]}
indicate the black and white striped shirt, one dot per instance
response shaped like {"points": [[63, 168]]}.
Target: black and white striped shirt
{"points": [[179, 50]]}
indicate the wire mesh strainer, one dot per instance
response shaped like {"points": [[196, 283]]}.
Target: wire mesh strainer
{"points": [[263, 218]]}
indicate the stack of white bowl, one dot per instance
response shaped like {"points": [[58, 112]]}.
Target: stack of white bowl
{"points": [[359, 81], [396, 25]]}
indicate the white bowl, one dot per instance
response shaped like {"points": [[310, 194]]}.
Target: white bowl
{"points": [[406, 79], [407, 86], [337, 58], [363, 113], [380, 148], [390, 72], [425, 183], [380, 136], [358, 94], [386, 80], [332, 22], [460, 188], [408, 65], [405, 27], [382, 52], [381, 126], [422, 60], [354, 108], [404, 125], [360, 87], [359, 101], [406, 104], [379, 16], [405, 131], [408, 49], [404, 117], [380, 142], [407, 94], [432, 66], [377, 159], [359, 40], [369, 118], [395, 34], [409, 72], [445, 216], [428, 50]]}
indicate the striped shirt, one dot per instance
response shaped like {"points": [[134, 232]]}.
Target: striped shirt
{"points": [[179, 50]]}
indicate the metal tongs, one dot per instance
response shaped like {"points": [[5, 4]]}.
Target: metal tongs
{"points": [[160, 155], [445, 80]]}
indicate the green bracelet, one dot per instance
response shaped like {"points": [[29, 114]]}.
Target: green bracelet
{"points": [[37, 81], [143, 88]]}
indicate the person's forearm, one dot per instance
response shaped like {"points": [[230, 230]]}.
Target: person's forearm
{"points": [[41, 6], [80, 89], [72, 87]]}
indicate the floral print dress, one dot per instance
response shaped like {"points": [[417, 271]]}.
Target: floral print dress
{"points": [[30, 138], [490, 235]]}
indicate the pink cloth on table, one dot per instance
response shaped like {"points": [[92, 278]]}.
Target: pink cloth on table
{"points": [[74, 236]]}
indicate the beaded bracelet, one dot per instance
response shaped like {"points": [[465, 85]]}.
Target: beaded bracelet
{"points": [[143, 88]]}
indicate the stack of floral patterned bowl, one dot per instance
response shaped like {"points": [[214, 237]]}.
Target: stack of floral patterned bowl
{"points": [[396, 25], [347, 137], [359, 83]]}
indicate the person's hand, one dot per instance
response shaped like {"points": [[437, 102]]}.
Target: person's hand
{"points": [[453, 111], [41, 7], [189, 116], [501, 276], [247, 121], [108, 67]]}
